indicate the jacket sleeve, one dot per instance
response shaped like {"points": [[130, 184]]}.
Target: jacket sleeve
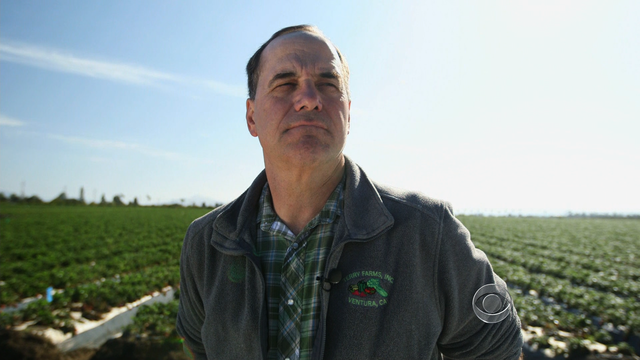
{"points": [[461, 271], [190, 311]]}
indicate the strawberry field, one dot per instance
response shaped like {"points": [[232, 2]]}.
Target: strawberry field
{"points": [[576, 278], [572, 278], [95, 257]]}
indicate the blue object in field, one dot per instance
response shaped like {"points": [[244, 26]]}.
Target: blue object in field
{"points": [[49, 294]]}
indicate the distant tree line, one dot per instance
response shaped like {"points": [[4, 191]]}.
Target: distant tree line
{"points": [[62, 199], [567, 215], [603, 215]]}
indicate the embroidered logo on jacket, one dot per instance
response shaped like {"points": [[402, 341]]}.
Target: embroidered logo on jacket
{"points": [[368, 288], [236, 271]]}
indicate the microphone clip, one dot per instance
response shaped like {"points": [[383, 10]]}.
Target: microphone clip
{"points": [[334, 277]]}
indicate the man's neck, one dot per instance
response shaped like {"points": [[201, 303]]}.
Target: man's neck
{"points": [[299, 194]]}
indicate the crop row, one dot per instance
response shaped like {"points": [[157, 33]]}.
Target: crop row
{"points": [[617, 281], [63, 247], [94, 299], [584, 274], [607, 307], [603, 241], [533, 311], [591, 263], [599, 253]]}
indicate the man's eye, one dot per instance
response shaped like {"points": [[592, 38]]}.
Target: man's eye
{"points": [[330, 85]]}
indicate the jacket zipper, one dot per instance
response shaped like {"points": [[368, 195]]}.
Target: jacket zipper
{"points": [[325, 309]]}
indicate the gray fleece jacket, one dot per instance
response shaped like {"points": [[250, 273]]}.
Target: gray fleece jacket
{"points": [[409, 273]]}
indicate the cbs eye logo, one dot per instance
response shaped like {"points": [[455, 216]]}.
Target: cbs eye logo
{"points": [[491, 303]]}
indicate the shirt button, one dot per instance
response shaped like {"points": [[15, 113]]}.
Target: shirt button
{"points": [[290, 301], [295, 245]]}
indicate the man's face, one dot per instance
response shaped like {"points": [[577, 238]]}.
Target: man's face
{"points": [[300, 112]]}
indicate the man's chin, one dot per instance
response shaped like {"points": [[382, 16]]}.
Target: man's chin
{"points": [[309, 155]]}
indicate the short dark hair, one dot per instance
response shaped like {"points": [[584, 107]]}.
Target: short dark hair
{"points": [[253, 66]]}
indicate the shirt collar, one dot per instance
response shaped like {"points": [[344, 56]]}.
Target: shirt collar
{"points": [[331, 210]]}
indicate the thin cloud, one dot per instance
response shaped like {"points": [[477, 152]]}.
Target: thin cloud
{"points": [[125, 146], [58, 60], [7, 121], [233, 90], [120, 145]]}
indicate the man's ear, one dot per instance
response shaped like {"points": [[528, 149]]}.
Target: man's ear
{"points": [[251, 124]]}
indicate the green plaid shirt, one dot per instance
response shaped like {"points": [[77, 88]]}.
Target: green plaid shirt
{"points": [[291, 265]]}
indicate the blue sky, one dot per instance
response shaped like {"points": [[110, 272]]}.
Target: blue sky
{"points": [[520, 107]]}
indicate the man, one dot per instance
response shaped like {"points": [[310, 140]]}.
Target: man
{"points": [[314, 261]]}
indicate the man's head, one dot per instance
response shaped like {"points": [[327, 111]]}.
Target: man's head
{"points": [[300, 106], [253, 66]]}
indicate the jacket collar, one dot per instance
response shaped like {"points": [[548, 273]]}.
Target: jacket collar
{"points": [[365, 215]]}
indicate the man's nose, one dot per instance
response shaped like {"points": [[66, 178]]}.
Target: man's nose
{"points": [[308, 97]]}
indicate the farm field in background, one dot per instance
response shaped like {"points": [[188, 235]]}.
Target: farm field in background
{"points": [[100, 257], [574, 278]]}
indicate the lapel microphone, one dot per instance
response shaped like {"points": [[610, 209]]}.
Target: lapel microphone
{"points": [[334, 277]]}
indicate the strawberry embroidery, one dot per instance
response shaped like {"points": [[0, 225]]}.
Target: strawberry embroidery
{"points": [[367, 287]]}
